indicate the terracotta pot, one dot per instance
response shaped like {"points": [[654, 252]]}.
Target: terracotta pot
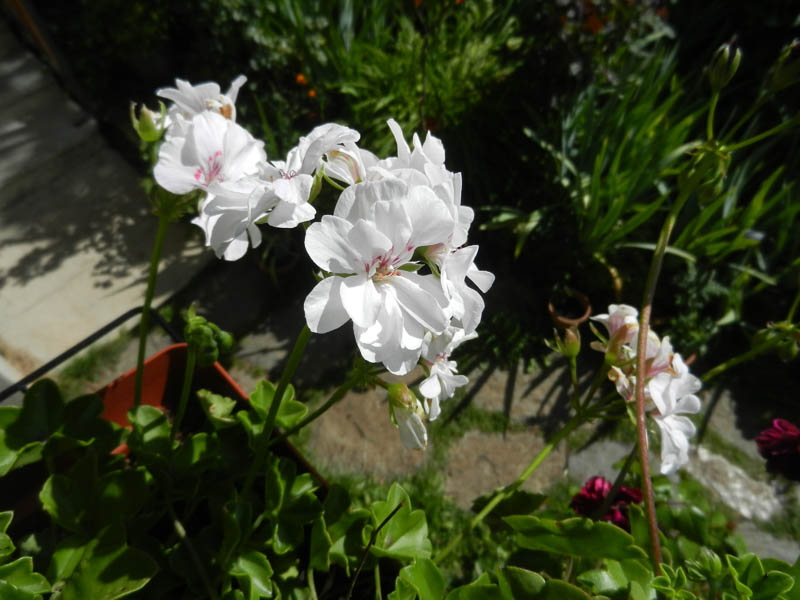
{"points": [[162, 380], [557, 310]]}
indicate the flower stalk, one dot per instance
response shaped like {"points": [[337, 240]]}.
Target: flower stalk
{"points": [[188, 375], [155, 259], [288, 372]]}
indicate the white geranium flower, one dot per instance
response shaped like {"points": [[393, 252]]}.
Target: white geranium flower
{"points": [[674, 396], [391, 308], [229, 219], [191, 100], [443, 379], [216, 153]]}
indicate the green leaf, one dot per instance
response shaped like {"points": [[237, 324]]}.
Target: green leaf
{"points": [[218, 409], [66, 558], [69, 499], [109, 569], [517, 583], [150, 439], [339, 540], [519, 502], [196, 452], [773, 585], [290, 412], [6, 547], [608, 581], [10, 592], [42, 413], [405, 536], [575, 537], [426, 579], [403, 590], [557, 589], [254, 573], [23, 429], [20, 574], [479, 589]]}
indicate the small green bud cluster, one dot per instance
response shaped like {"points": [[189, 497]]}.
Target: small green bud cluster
{"points": [[206, 338]]}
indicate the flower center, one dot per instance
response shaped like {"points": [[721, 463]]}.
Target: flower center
{"points": [[212, 171]]}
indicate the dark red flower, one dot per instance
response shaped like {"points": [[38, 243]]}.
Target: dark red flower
{"points": [[592, 495], [780, 445]]}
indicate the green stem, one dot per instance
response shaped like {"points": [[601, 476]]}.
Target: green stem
{"points": [[377, 575], [599, 377], [736, 360], [312, 588], [181, 531], [505, 492], [332, 182], [573, 374], [746, 117], [335, 397], [793, 308], [759, 137], [155, 258], [269, 425], [710, 121], [191, 360]]}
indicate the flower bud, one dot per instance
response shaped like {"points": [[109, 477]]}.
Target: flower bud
{"points": [[408, 414], [146, 124], [786, 70], [723, 65]]}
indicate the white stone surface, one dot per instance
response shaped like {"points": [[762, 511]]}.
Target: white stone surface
{"points": [[752, 499]]}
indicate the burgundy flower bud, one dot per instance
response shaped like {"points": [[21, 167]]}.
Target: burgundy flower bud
{"points": [[593, 494]]}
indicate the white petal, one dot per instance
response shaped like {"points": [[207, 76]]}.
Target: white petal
{"points": [[170, 172], [323, 306], [360, 299], [419, 304], [327, 245]]}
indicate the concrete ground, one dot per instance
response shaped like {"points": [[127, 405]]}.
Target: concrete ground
{"points": [[75, 229]]}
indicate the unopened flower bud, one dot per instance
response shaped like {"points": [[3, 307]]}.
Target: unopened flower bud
{"points": [[408, 414], [147, 124], [786, 70], [723, 65]]}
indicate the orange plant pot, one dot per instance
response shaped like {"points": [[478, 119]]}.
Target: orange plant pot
{"points": [[162, 379]]}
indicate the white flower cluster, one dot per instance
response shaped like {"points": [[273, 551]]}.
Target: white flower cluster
{"points": [[670, 389], [205, 149], [392, 254]]}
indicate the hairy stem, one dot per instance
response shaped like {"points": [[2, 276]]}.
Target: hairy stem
{"points": [[155, 258]]}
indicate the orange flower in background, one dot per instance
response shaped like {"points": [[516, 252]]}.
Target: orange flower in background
{"points": [[312, 93], [417, 2], [301, 79]]}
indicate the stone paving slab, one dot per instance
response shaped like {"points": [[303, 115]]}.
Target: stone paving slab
{"points": [[75, 229]]}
